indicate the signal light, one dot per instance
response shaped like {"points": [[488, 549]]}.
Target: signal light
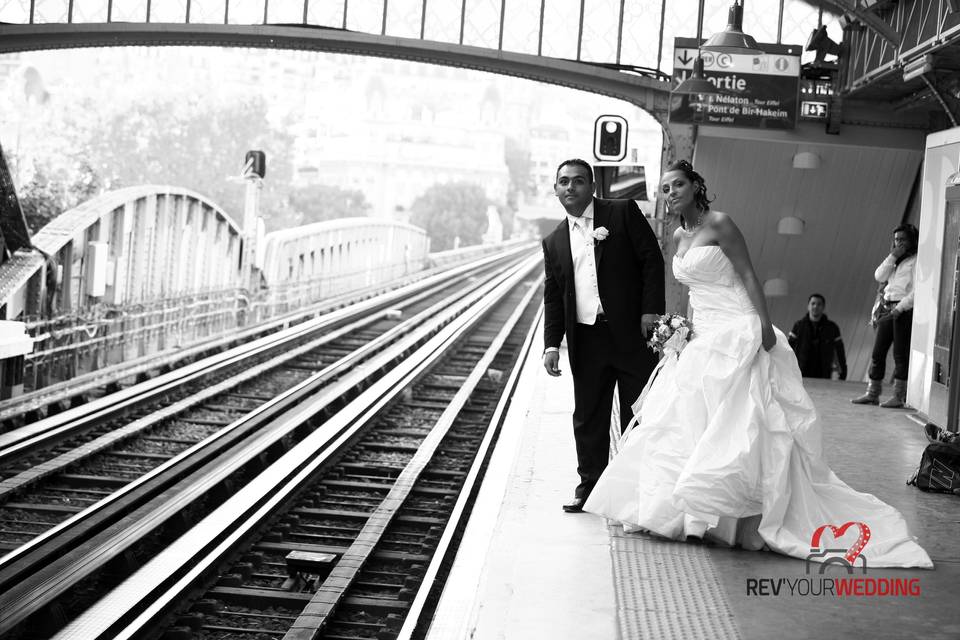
{"points": [[610, 138], [255, 163]]}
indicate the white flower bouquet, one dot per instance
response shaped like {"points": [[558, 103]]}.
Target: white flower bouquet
{"points": [[671, 334]]}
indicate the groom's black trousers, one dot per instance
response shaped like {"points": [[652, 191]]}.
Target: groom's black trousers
{"points": [[600, 365]]}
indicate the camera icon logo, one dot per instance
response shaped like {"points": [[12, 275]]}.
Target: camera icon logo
{"points": [[839, 556]]}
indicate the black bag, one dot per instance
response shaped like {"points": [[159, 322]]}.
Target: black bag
{"points": [[939, 469]]}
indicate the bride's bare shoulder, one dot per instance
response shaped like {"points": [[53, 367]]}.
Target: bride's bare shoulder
{"points": [[719, 217], [721, 221], [723, 229]]}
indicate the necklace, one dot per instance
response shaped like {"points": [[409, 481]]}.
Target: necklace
{"points": [[692, 231]]}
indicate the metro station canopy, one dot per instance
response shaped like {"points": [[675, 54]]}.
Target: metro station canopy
{"points": [[636, 33], [900, 54]]}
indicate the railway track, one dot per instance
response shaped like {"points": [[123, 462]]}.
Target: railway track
{"points": [[37, 601], [36, 405], [43, 433], [56, 470]]}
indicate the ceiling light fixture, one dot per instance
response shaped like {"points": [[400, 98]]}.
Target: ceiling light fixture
{"points": [[790, 226], [733, 39], [806, 160], [696, 82], [776, 288]]}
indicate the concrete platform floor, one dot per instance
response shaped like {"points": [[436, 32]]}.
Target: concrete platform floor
{"points": [[528, 571]]}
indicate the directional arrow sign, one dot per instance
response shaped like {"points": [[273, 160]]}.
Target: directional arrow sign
{"points": [[683, 57]]}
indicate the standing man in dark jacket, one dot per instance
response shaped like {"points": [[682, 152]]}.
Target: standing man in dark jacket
{"points": [[604, 290], [816, 339]]}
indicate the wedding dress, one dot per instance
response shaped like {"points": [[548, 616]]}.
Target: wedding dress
{"points": [[726, 431]]}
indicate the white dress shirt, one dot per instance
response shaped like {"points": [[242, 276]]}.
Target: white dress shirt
{"points": [[899, 279], [584, 266]]}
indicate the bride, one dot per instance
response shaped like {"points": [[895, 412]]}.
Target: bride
{"points": [[726, 442]]}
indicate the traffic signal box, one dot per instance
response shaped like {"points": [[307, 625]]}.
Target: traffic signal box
{"points": [[610, 138]]}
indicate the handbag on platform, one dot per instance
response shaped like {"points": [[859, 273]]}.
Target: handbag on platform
{"points": [[939, 469]]}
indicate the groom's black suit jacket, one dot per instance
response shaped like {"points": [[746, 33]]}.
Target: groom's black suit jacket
{"points": [[630, 277]]}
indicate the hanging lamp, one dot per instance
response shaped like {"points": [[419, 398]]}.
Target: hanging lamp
{"points": [[696, 82], [733, 39]]}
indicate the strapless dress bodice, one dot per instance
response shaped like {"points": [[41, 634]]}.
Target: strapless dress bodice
{"points": [[716, 292]]}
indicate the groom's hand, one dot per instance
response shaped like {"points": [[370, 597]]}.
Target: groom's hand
{"points": [[647, 322], [551, 362]]}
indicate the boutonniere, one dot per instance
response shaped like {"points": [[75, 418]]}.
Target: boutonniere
{"points": [[600, 234]]}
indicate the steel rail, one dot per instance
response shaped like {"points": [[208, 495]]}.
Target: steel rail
{"points": [[23, 560], [98, 407], [85, 383], [22, 600], [16, 443], [419, 612], [37, 591], [333, 590], [137, 603], [326, 603], [17, 482]]}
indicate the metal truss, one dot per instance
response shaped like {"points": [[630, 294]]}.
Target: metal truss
{"points": [[920, 26], [532, 25], [858, 9], [634, 36]]}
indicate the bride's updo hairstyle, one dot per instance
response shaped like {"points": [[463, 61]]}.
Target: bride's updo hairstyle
{"points": [[700, 198]]}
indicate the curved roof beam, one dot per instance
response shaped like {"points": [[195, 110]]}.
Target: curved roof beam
{"points": [[869, 18]]}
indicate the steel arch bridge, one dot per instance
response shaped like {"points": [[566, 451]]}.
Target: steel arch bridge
{"points": [[150, 268]]}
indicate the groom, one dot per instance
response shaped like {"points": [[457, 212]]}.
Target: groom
{"points": [[604, 290]]}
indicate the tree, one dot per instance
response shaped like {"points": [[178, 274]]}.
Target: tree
{"points": [[51, 192], [319, 203], [451, 210], [517, 159], [507, 219], [192, 144]]}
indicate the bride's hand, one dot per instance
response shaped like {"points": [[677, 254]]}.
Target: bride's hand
{"points": [[767, 337]]}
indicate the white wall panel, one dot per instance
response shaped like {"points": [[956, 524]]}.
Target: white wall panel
{"points": [[941, 160], [850, 204]]}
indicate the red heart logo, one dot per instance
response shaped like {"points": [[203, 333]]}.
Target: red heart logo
{"points": [[855, 549]]}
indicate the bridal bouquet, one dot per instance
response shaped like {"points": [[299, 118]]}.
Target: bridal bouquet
{"points": [[671, 334]]}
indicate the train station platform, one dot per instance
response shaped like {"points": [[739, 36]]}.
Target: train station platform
{"points": [[529, 571]]}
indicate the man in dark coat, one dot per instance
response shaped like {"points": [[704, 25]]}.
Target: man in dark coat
{"points": [[816, 340], [604, 290]]}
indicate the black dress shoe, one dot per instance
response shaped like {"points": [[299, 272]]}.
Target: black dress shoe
{"points": [[575, 505]]}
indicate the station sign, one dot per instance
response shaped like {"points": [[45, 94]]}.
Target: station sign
{"points": [[815, 95], [757, 91], [814, 110]]}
